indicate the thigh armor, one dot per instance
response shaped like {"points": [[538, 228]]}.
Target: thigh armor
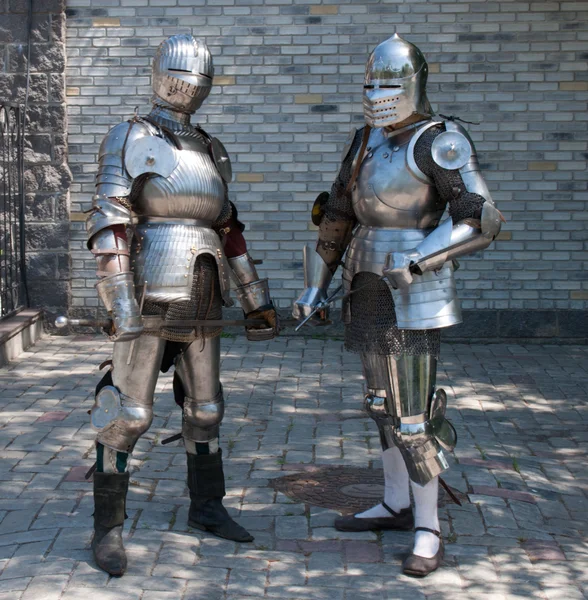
{"points": [[409, 412]]}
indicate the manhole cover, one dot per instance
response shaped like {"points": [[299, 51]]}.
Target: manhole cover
{"points": [[345, 489]]}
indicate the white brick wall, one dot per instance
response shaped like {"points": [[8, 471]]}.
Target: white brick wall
{"points": [[288, 89]]}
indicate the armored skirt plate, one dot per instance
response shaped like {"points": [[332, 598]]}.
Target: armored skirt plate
{"points": [[429, 302], [164, 255]]}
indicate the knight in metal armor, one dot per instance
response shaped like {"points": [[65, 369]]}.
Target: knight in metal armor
{"points": [[167, 240], [398, 175]]}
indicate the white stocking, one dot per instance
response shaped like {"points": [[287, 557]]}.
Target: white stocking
{"points": [[425, 515], [396, 494]]}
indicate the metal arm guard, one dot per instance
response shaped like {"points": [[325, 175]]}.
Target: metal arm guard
{"points": [[255, 300], [254, 295], [317, 277], [243, 269], [106, 212], [112, 178], [449, 241], [117, 293], [334, 237], [445, 243]]}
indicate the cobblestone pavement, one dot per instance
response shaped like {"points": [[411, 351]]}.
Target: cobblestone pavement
{"points": [[520, 412]]}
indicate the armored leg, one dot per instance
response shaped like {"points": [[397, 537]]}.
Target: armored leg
{"points": [[394, 512], [203, 406], [410, 414], [122, 413], [198, 385]]}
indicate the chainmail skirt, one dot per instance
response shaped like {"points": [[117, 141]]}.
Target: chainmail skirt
{"points": [[373, 326], [205, 303]]}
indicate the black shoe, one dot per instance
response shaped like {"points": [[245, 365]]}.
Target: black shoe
{"points": [[402, 520], [206, 482], [419, 566], [110, 493]]}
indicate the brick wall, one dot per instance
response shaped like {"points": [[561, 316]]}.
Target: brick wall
{"points": [[288, 90], [47, 177]]}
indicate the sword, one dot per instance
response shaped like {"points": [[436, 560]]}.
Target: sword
{"points": [[62, 322]]}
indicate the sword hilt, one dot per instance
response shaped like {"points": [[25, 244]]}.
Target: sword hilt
{"points": [[61, 322]]}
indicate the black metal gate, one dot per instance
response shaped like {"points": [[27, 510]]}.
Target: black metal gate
{"points": [[12, 268]]}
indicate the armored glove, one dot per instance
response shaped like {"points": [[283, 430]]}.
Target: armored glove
{"points": [[256, 303], [310, 298], [317, 278], [257, 333], [400, 267], [117, 292]]}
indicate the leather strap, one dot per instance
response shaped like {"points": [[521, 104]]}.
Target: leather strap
{"points": [[433, 531], [364, 143], [392, 512]]}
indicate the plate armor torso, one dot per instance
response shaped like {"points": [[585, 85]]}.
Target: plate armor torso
{"points": [[397, 206], [174, 215]]}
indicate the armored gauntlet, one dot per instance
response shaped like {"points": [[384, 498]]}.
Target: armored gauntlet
{"points": [[254, 297], [117, 293], [317, 277]]}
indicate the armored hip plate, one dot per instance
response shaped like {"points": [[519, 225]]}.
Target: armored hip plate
{"points": [[164, 253], [429, 302], [388, 193]]}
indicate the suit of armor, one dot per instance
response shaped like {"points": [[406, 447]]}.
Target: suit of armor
{"points": [[167, 240], [398, 176]]}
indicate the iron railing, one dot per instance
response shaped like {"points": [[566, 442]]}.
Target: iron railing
{"points": [[12, 239]]}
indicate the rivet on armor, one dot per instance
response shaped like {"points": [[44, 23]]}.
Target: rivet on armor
{"points": [[386, 155], [370, 155], [395, 149], [150, 160]]}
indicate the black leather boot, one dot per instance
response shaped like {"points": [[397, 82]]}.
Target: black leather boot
{"points": [[110, 494], [206, 482]]}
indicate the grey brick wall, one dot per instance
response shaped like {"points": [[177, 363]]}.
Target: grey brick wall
{"points": [[288, 90], [47, 177]]}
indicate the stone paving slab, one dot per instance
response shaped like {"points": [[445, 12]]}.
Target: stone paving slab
{"points": [[294, 405]]}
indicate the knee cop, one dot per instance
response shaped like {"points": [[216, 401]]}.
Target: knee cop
{"points": [[119, 419], [202, 417]]}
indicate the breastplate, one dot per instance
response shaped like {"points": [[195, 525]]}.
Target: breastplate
{"points": [[194, 190], [173, 217], [388, 193]]}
